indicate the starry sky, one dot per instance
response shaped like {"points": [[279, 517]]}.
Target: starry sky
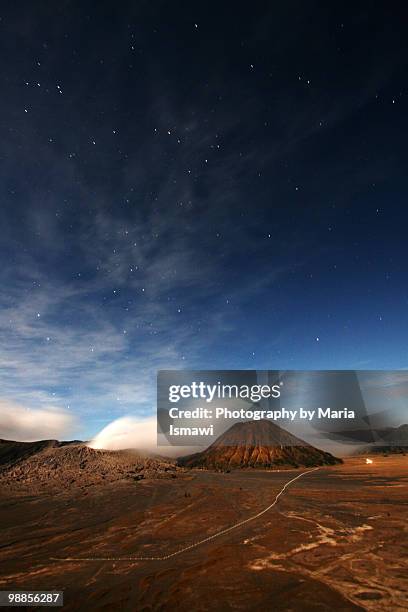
{"points": [[197, 185]]}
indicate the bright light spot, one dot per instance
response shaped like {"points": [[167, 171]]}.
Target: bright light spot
{"points": [[369, 461]]}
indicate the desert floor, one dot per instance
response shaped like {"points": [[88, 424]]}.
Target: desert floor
{"points": [[336, 540]]}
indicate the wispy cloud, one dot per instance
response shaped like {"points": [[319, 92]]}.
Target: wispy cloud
{"points": [[27, 425], [92, 344], [119, 276]]}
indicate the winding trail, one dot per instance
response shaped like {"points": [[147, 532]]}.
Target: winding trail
{"points": [[199, 542]]}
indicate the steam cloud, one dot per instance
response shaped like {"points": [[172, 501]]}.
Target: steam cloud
{"points": [[127, 432], [141, 434], [30, 424]]}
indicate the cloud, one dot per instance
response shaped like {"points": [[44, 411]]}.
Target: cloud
{"points": [[141, 434], [63, 348], [127, 432], [144, 281], [28, 425]]}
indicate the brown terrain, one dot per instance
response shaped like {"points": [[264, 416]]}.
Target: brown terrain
{"points": [[335, 540], [259, 444], [49, 464]]}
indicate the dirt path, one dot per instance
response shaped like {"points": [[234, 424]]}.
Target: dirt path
{"points": [[199, 542]]}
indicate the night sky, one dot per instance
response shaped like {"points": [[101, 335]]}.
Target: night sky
{"points": [[198, 185]]}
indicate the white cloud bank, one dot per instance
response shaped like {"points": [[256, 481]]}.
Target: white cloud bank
{"points": [[127, 432], [140, 434], [27, 425]]}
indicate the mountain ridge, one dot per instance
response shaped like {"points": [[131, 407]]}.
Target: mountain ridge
{"points": [[50, 463], [394, 442]]}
